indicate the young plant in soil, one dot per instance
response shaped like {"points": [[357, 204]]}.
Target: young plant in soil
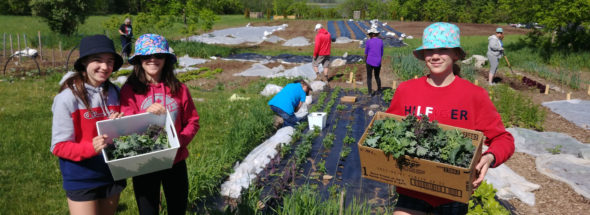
{"points": [[388, 95], [422, 139], [285, 149], [153, 139], [345, 152], [483, 202], [328, 141], [322, 167], [348, 140], [555, 150]]}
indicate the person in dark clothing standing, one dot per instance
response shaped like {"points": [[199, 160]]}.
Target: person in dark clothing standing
{"points": [[373, 55], [126, 32]]}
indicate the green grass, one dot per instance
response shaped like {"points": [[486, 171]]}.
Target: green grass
{"points": [[306, 200], [29, 25], [30, 176], [202, 50], [224, 139], [29, 173]]}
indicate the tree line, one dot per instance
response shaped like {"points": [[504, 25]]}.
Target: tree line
{"points": [[566, 20]]}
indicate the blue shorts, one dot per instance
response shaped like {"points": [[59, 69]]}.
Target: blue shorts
{"points": [[420, 205], [97, 192]]}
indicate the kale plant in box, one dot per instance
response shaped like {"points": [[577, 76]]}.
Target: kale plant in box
{"points": [[421, 139], [153, 139]]}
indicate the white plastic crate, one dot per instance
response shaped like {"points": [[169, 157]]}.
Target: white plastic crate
{"points": [[144, 163], [317, 119]]}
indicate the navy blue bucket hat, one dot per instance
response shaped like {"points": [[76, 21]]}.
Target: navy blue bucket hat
{"points": [[97, 44]]}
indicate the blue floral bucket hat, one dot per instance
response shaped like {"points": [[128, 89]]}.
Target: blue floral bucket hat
{"points": [[149, 44], [440, 35]]}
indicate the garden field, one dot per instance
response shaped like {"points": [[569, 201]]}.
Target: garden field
{"points": [[29, 172]]}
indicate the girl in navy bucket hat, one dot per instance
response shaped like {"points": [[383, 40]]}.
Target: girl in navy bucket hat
{"points": [[84, 99], [153, 87], [444, 96]]}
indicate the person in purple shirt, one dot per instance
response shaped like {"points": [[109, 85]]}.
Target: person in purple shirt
{"points": [[373, 55]]}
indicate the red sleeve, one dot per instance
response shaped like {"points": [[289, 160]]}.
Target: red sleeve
{"points": [[316, 49], [499, 141], [190, 118], [128, 103], [74, 151]]}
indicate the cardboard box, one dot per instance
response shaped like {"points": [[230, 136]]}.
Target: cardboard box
{"points": [[317, 119], [434, 178], [144, 163], [350, 99]]}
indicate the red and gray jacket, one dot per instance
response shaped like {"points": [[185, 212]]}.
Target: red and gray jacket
{"points": [[72, 131]]}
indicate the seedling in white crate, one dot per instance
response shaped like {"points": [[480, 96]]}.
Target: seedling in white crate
{"points": [[139, 164]]}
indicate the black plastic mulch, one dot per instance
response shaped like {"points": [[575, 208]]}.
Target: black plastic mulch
{"points": [[277, 179]]}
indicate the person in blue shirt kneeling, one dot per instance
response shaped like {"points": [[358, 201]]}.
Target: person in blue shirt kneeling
{"points": [[289, 100]]}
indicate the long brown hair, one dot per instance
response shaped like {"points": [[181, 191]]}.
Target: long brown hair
{"points": [[76, 84], [139, 82]]}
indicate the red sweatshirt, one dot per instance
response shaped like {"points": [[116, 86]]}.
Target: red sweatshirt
{"points": [[459, 104], [180, 105], [322, 43]]}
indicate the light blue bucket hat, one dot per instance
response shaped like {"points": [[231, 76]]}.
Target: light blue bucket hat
{"points": [[440, 35], [499, 30], [149, 44]]}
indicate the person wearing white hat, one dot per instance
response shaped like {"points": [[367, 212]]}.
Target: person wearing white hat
{"points": [[321, 51], [495, 52], [373, 56]]}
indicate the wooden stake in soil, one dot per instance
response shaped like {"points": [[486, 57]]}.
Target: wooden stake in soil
{"points": [[61, 56], [350, 78], [589, 89], [341, 203], [569, 96], [40, 46], [547, 89], [53, 57], [394, 85], [476, 82], [18, 43], [11, 51], [4, 47]]}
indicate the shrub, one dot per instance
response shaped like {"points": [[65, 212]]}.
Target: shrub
{"points": [[516, 109]]}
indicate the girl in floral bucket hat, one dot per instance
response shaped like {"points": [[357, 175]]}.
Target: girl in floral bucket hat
{"points": [[443, 96], [153, 87]]}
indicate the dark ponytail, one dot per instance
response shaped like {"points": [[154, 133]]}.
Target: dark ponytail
{"points": [[456, 69]]}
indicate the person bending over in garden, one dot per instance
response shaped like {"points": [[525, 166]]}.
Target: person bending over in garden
{"points": [[321, 52], [84, 99], [153, 87], [289, 100], [495, 52], [449, 99], [373, 55]]}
